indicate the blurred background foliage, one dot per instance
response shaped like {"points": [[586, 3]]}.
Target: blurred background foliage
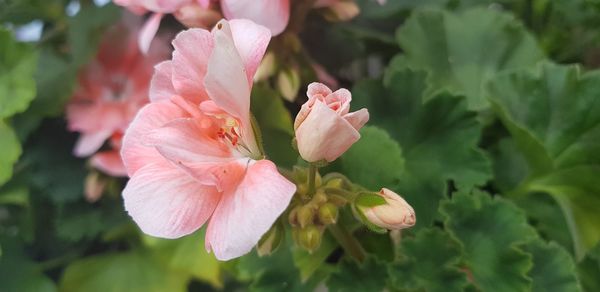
{"points": [[485, 116]]}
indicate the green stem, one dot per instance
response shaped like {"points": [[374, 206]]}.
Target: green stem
{"points": [[312, 174], [348, 242]]}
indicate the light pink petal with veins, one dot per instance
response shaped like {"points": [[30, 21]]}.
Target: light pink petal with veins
{"points": [[193, 48], [109, 162], [324, 134], [248, 211], [226, 81], [165, 202], [189, 140], [274, 14], [152, 116], [161, 86], [251, 41]]}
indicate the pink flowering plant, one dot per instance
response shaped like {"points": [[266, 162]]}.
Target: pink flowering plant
{"points": [[299, 145]]}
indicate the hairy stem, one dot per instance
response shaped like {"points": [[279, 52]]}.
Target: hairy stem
{"points": [[348, 242]]}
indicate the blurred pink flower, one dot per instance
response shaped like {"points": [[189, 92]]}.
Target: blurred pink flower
{"points": [[192, 154], [325, 127], [274, 14], [111, 89]]}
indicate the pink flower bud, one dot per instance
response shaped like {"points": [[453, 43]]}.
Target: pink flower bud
{"points": [[396, 214], [194, 15], [325, 127]]}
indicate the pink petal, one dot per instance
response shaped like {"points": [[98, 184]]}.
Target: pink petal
{"points": [[358, 118], [324, 134], [190, 58], [161, 87], [247, 212], [109, 162], [165, 202], [88, 143], [149, 31], [251, 41], [315, 89], [152, 116], [204, 3], [188, 140], [226, 82], [273, 14]]}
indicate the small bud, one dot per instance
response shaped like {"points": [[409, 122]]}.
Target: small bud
{"points": [[336, 183], [310, 238], [94, 187], [293, 216], [193, 15], [305, 215], [328, 214], [266, 68], [302, 189], [319, 198], [393, 212], [270, 240], [288, 83]]}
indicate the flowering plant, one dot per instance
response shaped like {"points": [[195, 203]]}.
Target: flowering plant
{"points": [[339, 145]]}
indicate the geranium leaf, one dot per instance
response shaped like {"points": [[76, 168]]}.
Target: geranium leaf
{"points": [[491, 231], [553, 113], [462, 50]]}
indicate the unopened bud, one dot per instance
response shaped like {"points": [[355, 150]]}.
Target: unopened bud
{"points": [[94, 187], [328, 213], [319, 198], [392, 213], [293, 216], [336, 183], [270, 240], [288, 83], [310, 238], [305, 215], [266, 68], [194, 15]]}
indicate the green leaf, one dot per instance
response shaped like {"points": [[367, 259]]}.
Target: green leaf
{"points": [[17, 65], [438, 138], [589, 269], [553, 114], [188, 255], [463, 50], [121, 272], [368, 276], [19, 273], [553, 268], [11, 150], [491, 231], [429, 262], [375, 161]]}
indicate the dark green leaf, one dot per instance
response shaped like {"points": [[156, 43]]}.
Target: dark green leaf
{"points": [[10, 152], [461, 51], [375, 161], [553, 268], [491, 231], [368, 276], [553, 114], [429, 262]]}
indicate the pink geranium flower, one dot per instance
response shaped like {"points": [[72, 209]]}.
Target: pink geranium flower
{"points": [[192, 154], [325, 127], [112, 88], [273, 14]]}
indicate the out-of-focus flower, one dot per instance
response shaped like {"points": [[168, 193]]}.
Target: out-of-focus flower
{"points": [[273, 14], [192, 154], [194, 13], [325, 127], [112, 88], [395, 214], [340, 10]]}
